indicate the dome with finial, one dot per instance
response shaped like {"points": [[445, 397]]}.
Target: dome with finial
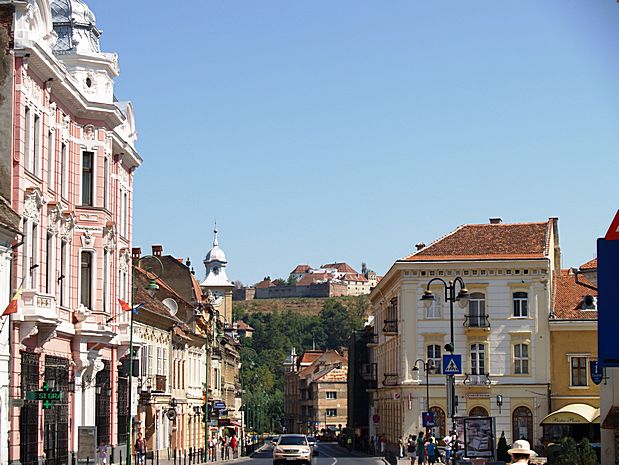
{"points": [[75, 25], [216, 253], [215, 264]]}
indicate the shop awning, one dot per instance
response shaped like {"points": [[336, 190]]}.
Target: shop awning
{"points": [[573, 414]]}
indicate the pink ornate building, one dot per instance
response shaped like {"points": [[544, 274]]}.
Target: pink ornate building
{"points": [[72, 161]]}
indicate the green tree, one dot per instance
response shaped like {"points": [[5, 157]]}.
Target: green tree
{"points": [[279, 282], [502, 448], [587, 454], [292, 280], [569, 454]]}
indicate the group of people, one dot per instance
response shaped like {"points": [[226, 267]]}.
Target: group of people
{"points": [[228, 447], [423, 449]]}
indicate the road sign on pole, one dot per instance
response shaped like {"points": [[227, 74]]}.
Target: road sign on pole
{"points": [[608, 297], [452, 364]]}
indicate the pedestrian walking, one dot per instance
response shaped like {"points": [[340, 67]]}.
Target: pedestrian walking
{"points": [[421, 449], [372, 446], [431, 449], [383, 445], [212, 449], [222, 443], [410, 448], [521, 452], [233, 445], [102, 453], [401, 447], [140, 450]]}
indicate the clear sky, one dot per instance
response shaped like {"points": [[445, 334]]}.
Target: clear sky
{"points": [[349, 130]]}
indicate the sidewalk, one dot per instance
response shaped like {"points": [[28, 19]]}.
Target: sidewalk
{"points": [[163, 460]]}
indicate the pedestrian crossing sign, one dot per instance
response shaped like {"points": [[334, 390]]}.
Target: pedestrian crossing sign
{"points": [[452, 364]]}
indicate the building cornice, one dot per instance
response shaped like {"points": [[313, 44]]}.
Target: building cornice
{"points": [[48, 67]]}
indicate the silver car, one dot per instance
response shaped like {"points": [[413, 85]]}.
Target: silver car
{"points": [[292, 448]]}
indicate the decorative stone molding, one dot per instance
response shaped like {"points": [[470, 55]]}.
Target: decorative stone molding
{"points": [[81, 313], [88, 240], [67, 225], [89, 132], [33, 202], [26, 330], [125, 260], [109, 237], [54, 219]]}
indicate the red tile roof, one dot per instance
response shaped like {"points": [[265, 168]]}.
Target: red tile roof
{"points": [[341, 267], [489, 241], [241, 325], [354, 277], [590, 265], [311, 278], [569, 295], [309, 357], [264, 284], [301, 269]]}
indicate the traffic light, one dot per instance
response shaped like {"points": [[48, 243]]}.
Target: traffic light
{"points": [[449, 347]]}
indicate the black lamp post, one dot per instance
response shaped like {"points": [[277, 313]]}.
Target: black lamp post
{"points": [[452, 294], [428, 367]]}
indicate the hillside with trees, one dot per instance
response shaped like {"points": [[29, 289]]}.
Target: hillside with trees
{"points": [[276, 333]]}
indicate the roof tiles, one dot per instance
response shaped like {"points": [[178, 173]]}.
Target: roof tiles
{"points": [[489, 241], [569, 295]]}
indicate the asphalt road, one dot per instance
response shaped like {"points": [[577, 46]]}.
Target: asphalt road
{"points": [[330, 454]]}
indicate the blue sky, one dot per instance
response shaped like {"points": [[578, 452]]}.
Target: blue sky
{"points": [[315, 131]]}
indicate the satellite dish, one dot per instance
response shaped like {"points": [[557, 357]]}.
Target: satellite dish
{"points": [[171, 305]]}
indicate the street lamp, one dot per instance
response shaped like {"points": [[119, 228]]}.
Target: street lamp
{"points": [[151, 289], [462, 297], [428, 367]]}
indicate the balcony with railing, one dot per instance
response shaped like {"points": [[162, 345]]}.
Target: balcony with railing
{"points": [[475, 323], [390, 379], [390, 327], [371, 339], [369, 374], [472, 379]]}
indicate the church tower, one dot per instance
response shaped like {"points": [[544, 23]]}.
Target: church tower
{"points": [[216, 285]]}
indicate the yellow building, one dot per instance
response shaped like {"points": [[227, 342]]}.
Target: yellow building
{"points": [[575, 399]]}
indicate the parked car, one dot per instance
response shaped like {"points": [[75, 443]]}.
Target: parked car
{"points": [[313, 442], [292, 447]]}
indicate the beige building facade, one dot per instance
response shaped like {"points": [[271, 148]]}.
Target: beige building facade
{"points": [[502, 333]]}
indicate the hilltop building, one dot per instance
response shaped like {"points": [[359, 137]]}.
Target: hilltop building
{"points": [[330, 280]]}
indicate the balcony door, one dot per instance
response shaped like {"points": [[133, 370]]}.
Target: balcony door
{"points": [[477, 310]]}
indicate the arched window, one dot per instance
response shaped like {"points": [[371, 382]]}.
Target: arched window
{"points": [[521, 304], [522, 421], [478, 412], [439, 421], [477, 309]]}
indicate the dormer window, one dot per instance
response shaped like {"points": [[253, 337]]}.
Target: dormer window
{"points": [[589, 303]]}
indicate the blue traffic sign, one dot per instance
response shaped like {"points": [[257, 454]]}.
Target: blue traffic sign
{"points": [[452, 364], [428, 419]]}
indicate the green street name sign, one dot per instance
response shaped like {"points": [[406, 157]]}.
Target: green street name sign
{"points": [[48, 396]]}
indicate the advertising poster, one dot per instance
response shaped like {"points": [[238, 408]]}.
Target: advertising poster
{"points": [[478, 437]]}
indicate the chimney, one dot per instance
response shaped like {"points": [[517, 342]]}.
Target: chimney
{"points": [[420, 245], [136, 253], [496, 220], [157, 250]]}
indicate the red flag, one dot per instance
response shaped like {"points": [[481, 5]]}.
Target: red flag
{"points": [[12, 306], [124, 305]]}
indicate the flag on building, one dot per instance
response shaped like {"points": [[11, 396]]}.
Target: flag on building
{"points": [[12, 306]]}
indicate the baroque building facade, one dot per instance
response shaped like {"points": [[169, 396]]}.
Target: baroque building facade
{"points": [[502, 333], [69, 159]]}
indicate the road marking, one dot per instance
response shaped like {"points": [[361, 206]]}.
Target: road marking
{"points": [[330, 456]]}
